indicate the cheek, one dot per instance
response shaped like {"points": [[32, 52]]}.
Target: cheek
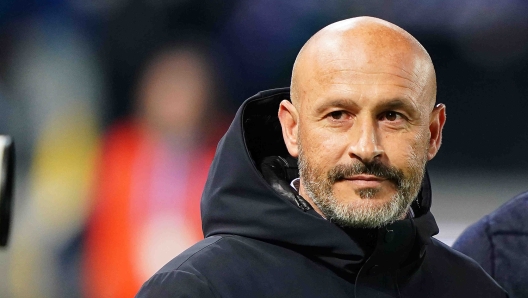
{"points": [[407, 151], [418, 150], [322, 146]]}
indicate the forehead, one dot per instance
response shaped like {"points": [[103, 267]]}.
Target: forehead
{"points": [[371, 71]]}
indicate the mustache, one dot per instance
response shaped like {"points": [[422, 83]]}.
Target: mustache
{"points": [[375, 168]]}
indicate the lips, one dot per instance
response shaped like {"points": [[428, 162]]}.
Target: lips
{"points": [[365, 178], [365, 181]]}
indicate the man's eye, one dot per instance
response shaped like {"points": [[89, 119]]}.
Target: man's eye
{"points": [[337, 115], [391, 116]]}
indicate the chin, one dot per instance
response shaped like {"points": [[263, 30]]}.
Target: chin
{"points": [[378, 194], [374, 212]]}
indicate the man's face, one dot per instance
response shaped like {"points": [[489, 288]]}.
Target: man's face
{"points": [[363, 137]]}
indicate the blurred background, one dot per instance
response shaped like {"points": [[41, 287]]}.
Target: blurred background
{"points": [[116, 108]]}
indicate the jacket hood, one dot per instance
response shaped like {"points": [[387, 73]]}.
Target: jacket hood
{"points": [[238, 200]]}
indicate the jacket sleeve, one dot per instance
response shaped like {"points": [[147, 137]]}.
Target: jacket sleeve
{"points": [[476, 243], [180, 284]]}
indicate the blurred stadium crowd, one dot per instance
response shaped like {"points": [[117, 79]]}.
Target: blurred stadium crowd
{"points": [[116, 108]]}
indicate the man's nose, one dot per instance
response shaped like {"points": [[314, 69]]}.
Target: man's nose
{"points": [[365, 144]]}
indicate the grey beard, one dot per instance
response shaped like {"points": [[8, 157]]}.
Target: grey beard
{"points": [[365, 215]]}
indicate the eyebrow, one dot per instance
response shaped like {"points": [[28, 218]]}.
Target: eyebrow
{"points": [[338, 103], [348, 104]]}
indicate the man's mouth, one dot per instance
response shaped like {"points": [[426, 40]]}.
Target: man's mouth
{"points": [[365, 181], [365, 177]]}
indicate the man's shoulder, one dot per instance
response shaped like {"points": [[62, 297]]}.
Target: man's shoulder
{"points": [[506, 224], [497, 242], [189, 273], [193, 254], [222, 251], [443, 254], [218, 264], [462, 273], [445, 272], [199, 256], [510, 217]]}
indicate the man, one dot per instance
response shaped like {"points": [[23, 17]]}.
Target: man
{"points": [[498, 243], [362, 122]]}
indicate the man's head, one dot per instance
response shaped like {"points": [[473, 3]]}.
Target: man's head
{"points": [[362, 121]]}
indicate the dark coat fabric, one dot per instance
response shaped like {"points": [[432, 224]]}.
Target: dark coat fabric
{"points": [[499, 243], [264, 240]]}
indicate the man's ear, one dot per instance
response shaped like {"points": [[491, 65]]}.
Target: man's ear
{"points": [[289, 119], [436, 125]]}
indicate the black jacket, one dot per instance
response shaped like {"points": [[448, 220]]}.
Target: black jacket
{"points": [[499, 243], [264, 240]]}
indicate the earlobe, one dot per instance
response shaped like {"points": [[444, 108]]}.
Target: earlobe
{"points": [[288, 118], [436, 125]]}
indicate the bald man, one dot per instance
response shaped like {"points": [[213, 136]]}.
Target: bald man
{"points": [[329, 196]]}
